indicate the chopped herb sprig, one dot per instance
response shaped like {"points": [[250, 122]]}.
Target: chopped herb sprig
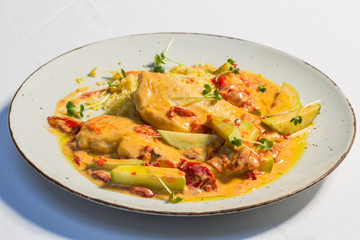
{"points": [[74, 111], [297, 120], [207, 95], [264, 143], [261, 88], [118, 77], [159, 61]]}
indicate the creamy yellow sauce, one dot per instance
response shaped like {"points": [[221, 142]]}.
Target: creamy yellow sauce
{"points": [[229, 185]]}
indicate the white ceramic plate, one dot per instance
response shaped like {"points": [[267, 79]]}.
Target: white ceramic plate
{"points": [[328, 144]]}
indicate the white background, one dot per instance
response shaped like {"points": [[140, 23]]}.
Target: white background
{"points": [[324, 33]]}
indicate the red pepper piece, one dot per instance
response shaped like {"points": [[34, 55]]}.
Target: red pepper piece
{"points": [[142, 192], [64, 124], [198, 175]]}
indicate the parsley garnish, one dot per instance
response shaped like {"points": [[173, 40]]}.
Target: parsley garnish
{"points": [[297, 120], [159, 60], [237, 142], [117, 77], [262, 88], [207, 95], [207, 89], [264, 144], [232, 62], [72, 110], [174, 200], [123, 73]]}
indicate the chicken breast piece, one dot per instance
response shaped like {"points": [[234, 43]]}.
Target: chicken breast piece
{"points": [[128, 138], [157, 101], [102, 134]]}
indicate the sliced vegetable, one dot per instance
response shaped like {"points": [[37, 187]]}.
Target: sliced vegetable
{"points": [[225, 128], [286, 101], [223, 68], [185, 140], [227, 67], [283, 125], [108, 163], [134, 175], [266, 165], [248, 131]]}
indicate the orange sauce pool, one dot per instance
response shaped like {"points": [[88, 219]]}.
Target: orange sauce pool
{"points": [[229, 185]]}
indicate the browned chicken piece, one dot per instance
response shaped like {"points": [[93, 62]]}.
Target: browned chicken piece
{"points": [[225, 159], [102, 134], [157, 102], [129, 139], [238, 93]]}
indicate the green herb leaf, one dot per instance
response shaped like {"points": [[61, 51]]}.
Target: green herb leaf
{"points": [[262, 88], [265, 144], [297, 120], [82, 108], [112, 84], [70, 104], [123, 73], [207, 94], [217, 95], [237, 142], [159, 69], [159, 60], [70, 108], [232, 62], [207, 89], [174, 200], [71, 111]]}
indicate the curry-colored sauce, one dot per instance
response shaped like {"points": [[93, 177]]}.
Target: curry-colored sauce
{"points": [[230, 185]]}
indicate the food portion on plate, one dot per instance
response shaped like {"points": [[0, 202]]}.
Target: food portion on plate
{"points": [[194, 133]]}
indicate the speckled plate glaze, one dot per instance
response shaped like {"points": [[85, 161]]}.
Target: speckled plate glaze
{"points": [[328, 143]]}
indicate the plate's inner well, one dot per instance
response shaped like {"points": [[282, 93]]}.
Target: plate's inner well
{"points": [[215, 129]]}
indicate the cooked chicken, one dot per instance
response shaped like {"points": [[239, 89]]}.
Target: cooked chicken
{"points": [[238, 93], [108, 134], [157, 102], [102, 134]]}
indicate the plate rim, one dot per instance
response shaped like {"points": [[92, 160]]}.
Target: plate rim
{"points": [[170, 213]]}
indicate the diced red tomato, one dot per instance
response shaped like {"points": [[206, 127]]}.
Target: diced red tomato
{"points": [[91, 94], [198, 175], [181, 112], [147, 130], [101, 175], [65, 125], [142, 192], [163, 163]]}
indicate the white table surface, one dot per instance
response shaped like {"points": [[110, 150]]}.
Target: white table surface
{"points": [[324, 33]]}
